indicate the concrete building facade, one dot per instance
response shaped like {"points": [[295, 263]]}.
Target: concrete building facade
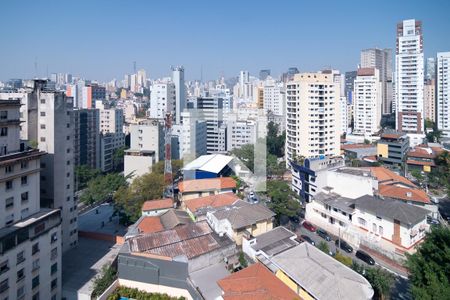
{"points": [[443, 93]]}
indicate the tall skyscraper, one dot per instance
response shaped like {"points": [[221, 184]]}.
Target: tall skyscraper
{"points": [[382, 60], [163, 100], [410, 80], [367, 102], [30, 236], [429, 99], [430, 68], [263, 74], [274, 97], [313, 116], [210, 109], [443, 92], [349, 85], [180, 92]]}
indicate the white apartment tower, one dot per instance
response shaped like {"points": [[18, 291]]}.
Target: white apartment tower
{"points": [[162, 100], [367, 100], [381, 59], [410, 80], [443, 92], [313, 116], [30, 237], [180, 92], [274, 97]]}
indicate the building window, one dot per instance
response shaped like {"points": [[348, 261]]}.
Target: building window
{"points": [[35, 247], [361, 221], [9, 202], [35, 264], [42, 113], [24, 165], [54, 237], [54, 284], [9, 185], [68, 137], [380, 230], [20, 275], [374, 227], [36, 296], [20, 257], [4, 286], [42, 139], [54, 268], [9, 169], [3, 115], [4, 131], [24, 180], [54, 253], [4, 267], [35, 282], [20, 292], [42, 126]]}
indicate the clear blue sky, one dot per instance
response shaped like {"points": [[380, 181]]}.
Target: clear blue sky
{"points": [[101, 39]]}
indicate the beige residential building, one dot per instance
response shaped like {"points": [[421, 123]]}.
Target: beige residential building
{"points": [[429, 100], [30, 237], [313, 116]]}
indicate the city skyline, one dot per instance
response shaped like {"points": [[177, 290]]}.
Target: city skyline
{"points": [[196, 36]]}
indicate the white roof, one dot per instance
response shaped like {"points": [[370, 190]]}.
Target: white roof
{"points": [[213, 163]]}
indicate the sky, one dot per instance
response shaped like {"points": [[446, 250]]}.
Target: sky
{"points": [[101, 39]]}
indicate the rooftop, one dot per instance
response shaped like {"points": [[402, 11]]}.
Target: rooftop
{"points": [[198, 185], [392, 209], [213, 163], [149, 224], [275, 241], [255, 282], [157, 204], [218, 200], [321, 275], [242, 214]]}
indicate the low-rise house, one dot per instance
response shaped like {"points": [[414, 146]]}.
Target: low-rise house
{"points": [[239, 219], [164, 261], [386, 225], [156, 207], [270, 243], [255, 282], [198, 207], [358, 151], [312, 274], [421, 158], [190, 189], [168, 220]]}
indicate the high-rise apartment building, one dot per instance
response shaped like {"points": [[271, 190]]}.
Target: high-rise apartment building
{"points": [[87, 137], [162, 100], [30, 237], [430, 68], [410, 80], [381, 59], [263, 74], [210, 109], [180, 92], [274, 97], [192, 136], [313, 121], [443, 92], [429, 99], [367, 102], [349, 85], [343, 111]]}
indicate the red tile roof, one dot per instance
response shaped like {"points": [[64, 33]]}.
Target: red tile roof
{"points": [[420, 163], [157, 204], [422, 153], [199, 185], [391, 135], [218, 200], [356, 146], [395, 186], [150, 224], [255, 282]]}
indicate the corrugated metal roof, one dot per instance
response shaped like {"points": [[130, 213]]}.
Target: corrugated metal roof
{"points": [[213, 163]]}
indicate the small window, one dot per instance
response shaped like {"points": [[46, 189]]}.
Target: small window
{"points": [[35, 248], [20, 292], [24, 180], [42, 113], [54, 253], [36, 296], [68, 137], [4, 286], [9, 169], [35, 282], [9, 185], [42, 101], [4, 267], [54, 268], [42, 126], [3, 115], [54, 237], [42, 139], [54, 284], [24, 165], [20, 275], [9, 202], [20, 257], [4, 131], [35, 264]]}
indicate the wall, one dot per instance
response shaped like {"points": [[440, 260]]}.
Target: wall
{"points": [[140, 165], [340, 182]]}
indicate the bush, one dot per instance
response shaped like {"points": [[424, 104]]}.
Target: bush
{"points": [[346, 260], [324, 247], [104, 280], [123, 291]]}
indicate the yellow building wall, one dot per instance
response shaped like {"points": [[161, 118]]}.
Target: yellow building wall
{"points": [[382, 150], [293, 286], [426, 168]]}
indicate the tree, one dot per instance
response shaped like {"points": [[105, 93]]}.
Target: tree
{"points": [[84, 174], [282, 202], [380, 280], [103, 280], [275, 142], [242, 260], [429, 266], [417, 175], [324, 247], [102, 188], [366, 141], [246, 154]]}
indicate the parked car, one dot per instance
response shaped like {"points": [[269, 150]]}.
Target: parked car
{"points": [[323, 234], [309, 226], [308, 239], [344, 246], [365, 257]]}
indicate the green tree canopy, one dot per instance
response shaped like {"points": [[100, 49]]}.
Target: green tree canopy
{"points": [[429, 267], [84, 174], [102, 188], [282, 204], [275, 142]]}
